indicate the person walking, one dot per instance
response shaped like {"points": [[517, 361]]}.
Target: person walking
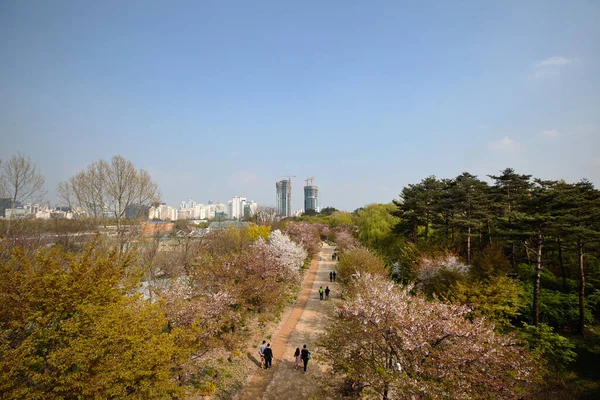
{"points": [[327, 292], [261, 352], [305, 355], [298, 359], [334, 274], [331, 276], [268, 356], [321, 293]]}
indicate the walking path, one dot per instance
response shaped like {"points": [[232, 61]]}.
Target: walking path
{"points": [[302, 326]]}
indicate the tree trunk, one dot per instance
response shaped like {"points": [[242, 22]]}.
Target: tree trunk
{"points": [[12, 214], [469, 245], [537, 279], [385, 391], [513, 260], [447, 223], [562, 265], [581, 289]]}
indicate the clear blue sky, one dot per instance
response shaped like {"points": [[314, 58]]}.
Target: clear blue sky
{"points": [[223, 98]]}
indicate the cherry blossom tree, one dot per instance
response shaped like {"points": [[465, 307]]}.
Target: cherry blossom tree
{"points": [[437, 274], [254, 279], [345, 240], [305, 234], [285, 251], [428, 267], [199, 321], [403, 345]]}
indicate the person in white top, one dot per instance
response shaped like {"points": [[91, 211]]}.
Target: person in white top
{"points": [[261, 351]]}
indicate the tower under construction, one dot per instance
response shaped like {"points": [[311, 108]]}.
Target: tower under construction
{"points": [[311, 196], [284, 197]]}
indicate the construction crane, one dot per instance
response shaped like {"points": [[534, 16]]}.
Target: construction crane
{"points": [[309, 181], [289, 176]]}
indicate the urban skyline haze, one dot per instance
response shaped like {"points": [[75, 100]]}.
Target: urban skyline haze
{"points": [[217, 99]]}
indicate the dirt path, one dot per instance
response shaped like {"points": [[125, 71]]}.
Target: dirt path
{"points": [[303, 324]]}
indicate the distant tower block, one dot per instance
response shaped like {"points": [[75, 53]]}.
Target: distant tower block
{"points": [[311, 195], [284, 197]]}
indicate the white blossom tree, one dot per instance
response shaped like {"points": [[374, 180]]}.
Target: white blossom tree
{"points": [[428, 267], [402, 345], [305, 234], [285, 251]]}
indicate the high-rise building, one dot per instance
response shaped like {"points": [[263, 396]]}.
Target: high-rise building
{"points": [[235, 207], [163, 212], [250, 209], [311, 198], [284, 197]]}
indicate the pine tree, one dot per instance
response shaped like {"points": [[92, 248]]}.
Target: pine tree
{"points": [[471, 205], [508, 193], [532, 221], [586, 224], [419, 207]]}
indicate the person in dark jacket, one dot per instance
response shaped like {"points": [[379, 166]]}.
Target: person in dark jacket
{"points": [[305, 354], [327, 292], [334, 275], [331, 276], [268, 356]]}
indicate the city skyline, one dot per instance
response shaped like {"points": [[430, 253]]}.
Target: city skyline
{"points": [[215, 99]]}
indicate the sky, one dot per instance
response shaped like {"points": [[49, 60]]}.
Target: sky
{"points": [[223, 98]]}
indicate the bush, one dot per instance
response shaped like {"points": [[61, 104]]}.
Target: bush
{"points": [[550, 348], [359, 261], [496, 298]]}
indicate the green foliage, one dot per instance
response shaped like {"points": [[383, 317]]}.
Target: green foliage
{"points": [[557, 309], [359, 261], [442, 283], [375, 223], [402, 256], [328, 211], [496, 298], [490, 262], [340, 218], [549, 347]]}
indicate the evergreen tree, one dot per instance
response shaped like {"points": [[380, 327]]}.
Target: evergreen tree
{"points": [[471, 205], [532, 219], [586, 218], [418, 207], [508, 193]]}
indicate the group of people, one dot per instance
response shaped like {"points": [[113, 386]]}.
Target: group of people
{"points": [[301, 357], [332, 276], [327, 291], [334, 257], [266, 354]]}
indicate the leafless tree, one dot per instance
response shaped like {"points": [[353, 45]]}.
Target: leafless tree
{"points": [[87, 189], [110, 189], [148, 192], [266, 215], [2, 182], [22, 182]]}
